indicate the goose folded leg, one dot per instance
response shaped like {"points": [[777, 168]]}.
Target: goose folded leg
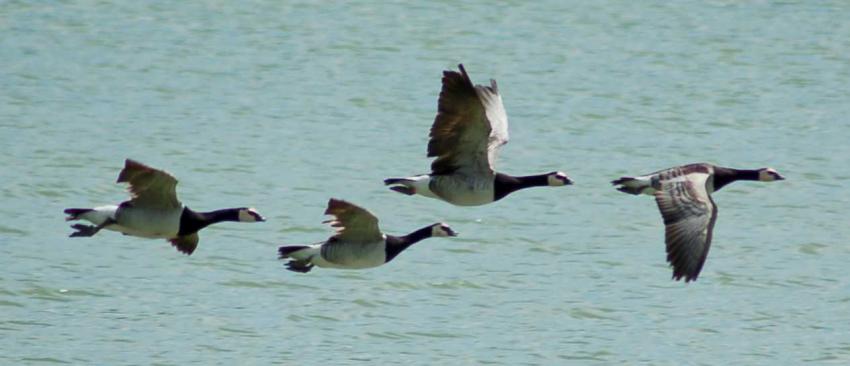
{"points": [[88, 230], [299, 266], [84, 230]]}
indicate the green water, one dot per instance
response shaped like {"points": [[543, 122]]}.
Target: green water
{"points": [[281, 105]]}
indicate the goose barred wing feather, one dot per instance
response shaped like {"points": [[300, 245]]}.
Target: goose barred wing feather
{"points": [[353, 223], [471, 125], [149, 187], [689, 214]]}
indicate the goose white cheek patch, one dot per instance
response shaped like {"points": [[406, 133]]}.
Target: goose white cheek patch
{"points": [[768, 175], [249, 215], [556, 180]]}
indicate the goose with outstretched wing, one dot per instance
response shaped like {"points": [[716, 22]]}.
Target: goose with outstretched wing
{"points": [[470, 127], [683, 195]]}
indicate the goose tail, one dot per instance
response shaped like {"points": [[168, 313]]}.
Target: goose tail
{"points": [[629, 185], [285, 251], [401, 185], [76, 213]]}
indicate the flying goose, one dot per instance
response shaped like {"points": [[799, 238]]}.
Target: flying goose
{"points": [[358, 242], [470, 127], [154, 211], [683, 195]]}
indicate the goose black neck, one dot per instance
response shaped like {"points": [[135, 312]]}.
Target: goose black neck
{"points": [[724, 176], [192, 221], [505, 184], [397, 244]]}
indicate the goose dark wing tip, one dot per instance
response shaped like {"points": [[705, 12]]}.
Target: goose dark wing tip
{"points": [[687, 276], [130, 167], [452, 78], [335, 205]]}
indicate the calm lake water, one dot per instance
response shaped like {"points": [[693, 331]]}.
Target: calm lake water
{"points": [[281, 104]]}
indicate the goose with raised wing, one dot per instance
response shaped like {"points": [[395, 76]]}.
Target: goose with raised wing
{"points": [[470, 127], [683, 195], [358, 242], [153, 211]]}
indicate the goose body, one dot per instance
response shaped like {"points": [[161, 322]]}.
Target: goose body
{"points": [[358, 243], [145, 223], [683, 195], [154, 211], [470, 127]]}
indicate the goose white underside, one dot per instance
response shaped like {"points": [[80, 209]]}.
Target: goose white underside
{"points": [[141, 222]]}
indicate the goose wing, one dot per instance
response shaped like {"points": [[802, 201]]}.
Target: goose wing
{"points": [[149, 187], [689, 214], [353, 224], [186, 243], [470, 127]]}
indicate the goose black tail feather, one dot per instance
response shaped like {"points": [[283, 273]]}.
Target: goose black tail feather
{"points": [[625, 188], [622, 180], [389, 181], [403, 189], [284, 252], [74, 213]]}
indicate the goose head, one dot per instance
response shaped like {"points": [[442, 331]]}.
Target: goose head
{"points": [[769, 175], [557, 179], [249, 214], [442, 230]]}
